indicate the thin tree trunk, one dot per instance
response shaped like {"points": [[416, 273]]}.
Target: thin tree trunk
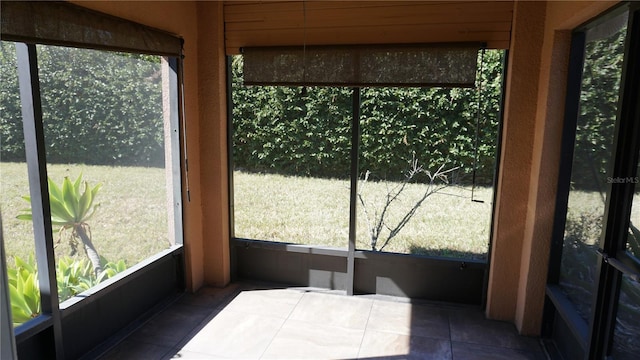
{"points": [[90, 250]]}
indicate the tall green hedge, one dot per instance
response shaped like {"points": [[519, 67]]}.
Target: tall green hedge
{"points": [[11, 136], [291, 130], [99, 108], [105, 109]]}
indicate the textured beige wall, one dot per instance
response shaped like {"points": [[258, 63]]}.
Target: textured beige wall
{"points": [[515, 163], [531, 154], [213, 143]]}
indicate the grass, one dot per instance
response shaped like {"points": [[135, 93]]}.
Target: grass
{"points": [[316, 212], [130, 224]]}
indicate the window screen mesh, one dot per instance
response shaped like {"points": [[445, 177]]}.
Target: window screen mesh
{"points": [[394, 65]]}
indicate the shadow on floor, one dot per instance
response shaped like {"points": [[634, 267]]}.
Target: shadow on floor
{"points": [[258, 321]]}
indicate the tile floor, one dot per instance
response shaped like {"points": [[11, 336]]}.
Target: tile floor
{"points": [[247, 321]]}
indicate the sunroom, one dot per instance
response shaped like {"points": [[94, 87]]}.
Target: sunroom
{"points": [[481, 154]]}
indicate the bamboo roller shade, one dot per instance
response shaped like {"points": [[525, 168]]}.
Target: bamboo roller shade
{"points": [[288, 23]]}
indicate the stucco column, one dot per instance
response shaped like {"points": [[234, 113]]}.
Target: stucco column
{"points": [[514, 179], [544, 183], [213, 143]]}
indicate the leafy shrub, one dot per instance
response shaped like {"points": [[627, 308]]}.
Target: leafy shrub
{"points": [[99, 108], [76, 275], [73, 276], [23, 290], [294, 131]]}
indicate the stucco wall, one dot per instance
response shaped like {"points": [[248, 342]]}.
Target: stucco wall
{"points": [[213, 143], [515, 163], [531, 153]]}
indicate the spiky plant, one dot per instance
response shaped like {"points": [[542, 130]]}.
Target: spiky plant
{"points": [[72, 205]]}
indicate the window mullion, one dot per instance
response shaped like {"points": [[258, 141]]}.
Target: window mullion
{"points": [[38, 186], [171, 99], [355, 145]]}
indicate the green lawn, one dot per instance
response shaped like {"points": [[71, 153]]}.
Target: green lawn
{"points": [[131, 221], [316, 212], [130, 224]]}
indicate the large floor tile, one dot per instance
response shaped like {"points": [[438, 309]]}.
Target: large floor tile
{"points": [[252, 322], [466, 351], [299, 340], [333, 310], [379, 344], [170, 326], [136, 350], [278, 302], [233, 334], [409, 319], [210, 297], [472, 327]]}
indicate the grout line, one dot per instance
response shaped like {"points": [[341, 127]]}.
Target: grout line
{"points": [[450, 332], [365, 328], [214, 311], [281, 326], [296, 305]]}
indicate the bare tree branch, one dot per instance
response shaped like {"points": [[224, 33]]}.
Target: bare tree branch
{"points": [[378, 222]]}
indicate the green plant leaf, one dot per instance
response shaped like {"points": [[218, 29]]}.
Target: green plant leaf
{"points": [[85, 202], [95, 190], [70, 198], [27, 212], [20, 310], [28, 265], [31, 292], [60, 212], [76, 184], [54, 190], [88, 217], [24, 292], [12, 275], [27, 217]]}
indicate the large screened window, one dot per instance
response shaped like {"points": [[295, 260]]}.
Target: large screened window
{"points": [[90, 163], [291, 162], [426, 162], [104, 134], [111, 196], [594, 296], [592, 161]]}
